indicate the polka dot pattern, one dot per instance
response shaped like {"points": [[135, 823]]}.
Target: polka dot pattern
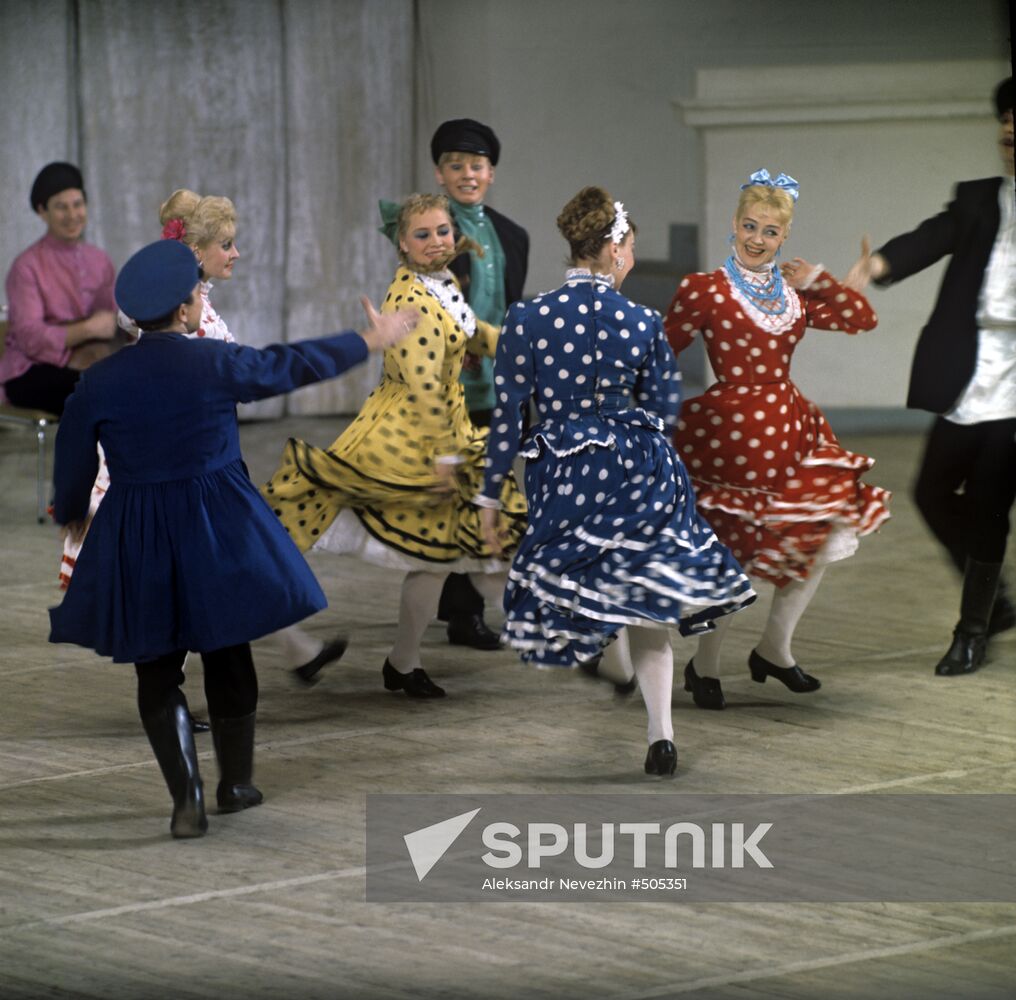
{"points": [[784, 482], [614, 536], [383, 465]]}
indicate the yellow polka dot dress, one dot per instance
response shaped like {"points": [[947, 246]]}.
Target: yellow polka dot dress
{"points": [[372, 492]]}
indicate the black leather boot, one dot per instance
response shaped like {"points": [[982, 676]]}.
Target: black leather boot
{"points": [[970, 637], [169, 732], [1003, 614], [234, 750]]}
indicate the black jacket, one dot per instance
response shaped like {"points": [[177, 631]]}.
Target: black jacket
{"points": [[515, 243], [946, 353]]}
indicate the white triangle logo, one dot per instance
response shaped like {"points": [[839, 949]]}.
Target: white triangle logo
{"points": [[428, 845]]}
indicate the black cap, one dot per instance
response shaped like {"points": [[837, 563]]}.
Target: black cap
{"points": [[52, 179], [157, 279], [463, 135], [1003, 97]]}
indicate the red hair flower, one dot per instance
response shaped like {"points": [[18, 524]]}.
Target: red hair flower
{"points": [[174, 229]]}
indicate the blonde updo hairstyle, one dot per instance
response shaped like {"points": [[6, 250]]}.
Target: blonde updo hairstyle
{"points": [[585, 222], [209, 219], [417, 204], [776, 200]]}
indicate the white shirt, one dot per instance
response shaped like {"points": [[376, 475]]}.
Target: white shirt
{"points": [[991, 393]]}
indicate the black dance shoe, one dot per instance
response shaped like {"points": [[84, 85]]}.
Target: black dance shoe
{"points": [[591, 668], [965, 654], [416, 685], [199, 725], [308, 673], [661, 759], [705, 691], [471, 630], [794, 677]]}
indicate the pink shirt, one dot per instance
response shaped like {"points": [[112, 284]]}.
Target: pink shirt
{"points": [[49, 285]]}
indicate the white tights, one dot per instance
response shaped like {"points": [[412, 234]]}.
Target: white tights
{"points": [[653, 663], [789, 604], [421, 593]]}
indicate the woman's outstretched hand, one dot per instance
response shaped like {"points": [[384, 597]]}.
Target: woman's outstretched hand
{"points": [[387, 329], [490, 518], [867, 268]]}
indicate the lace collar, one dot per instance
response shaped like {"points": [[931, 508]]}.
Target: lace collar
{"points": [[584, 274], [443, 286]]}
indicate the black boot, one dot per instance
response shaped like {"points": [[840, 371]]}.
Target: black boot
{"points": [[1003, 614], [169, 732], [234, 750], [970, 637]]}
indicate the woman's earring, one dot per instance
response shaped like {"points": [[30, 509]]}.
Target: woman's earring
{"points": [[618, 263], [730, 239], [779, 250]]}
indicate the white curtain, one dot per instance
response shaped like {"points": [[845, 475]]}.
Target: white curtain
{"points": [[300, 111]]}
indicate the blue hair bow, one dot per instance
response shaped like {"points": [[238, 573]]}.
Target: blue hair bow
{"points": [[783, 181]]}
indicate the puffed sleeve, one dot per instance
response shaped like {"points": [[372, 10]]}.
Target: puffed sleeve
{"points": [[828, 305], [484, 341], [688, 312], [658, 385], [513, 388], [76, 458]]}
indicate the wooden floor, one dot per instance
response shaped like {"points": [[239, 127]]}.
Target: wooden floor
{"points": [[97, 901]]}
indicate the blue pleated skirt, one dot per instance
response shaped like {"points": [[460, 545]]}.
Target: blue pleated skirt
{"points": [[196, 564]]}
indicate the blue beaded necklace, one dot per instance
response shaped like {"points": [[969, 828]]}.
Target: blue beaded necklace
{"points": [[768, 297]]}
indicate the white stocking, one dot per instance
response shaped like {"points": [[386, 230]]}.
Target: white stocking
{"points": [[616, 664], [421, 593], [293, 645], [654, 667], [707, 656], [490, 587], [789, 603]]}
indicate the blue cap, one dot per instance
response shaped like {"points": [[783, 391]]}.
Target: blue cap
{"points": [[157, 279]]}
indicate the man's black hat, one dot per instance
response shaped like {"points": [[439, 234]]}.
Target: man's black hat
{"points": [[463, 135], [52, 179]]}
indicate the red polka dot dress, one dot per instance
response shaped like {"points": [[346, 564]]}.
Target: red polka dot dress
{"points": [[769, 473]]}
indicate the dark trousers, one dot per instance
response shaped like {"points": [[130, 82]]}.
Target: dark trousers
{"points": [[459, 598], [231, 685], [966, 486], [42, 387]]}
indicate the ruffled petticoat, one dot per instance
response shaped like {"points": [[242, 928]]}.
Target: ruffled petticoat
{"points": [[614, 539], [777, 486]]}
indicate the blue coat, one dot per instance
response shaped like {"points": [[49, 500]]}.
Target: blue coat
{"points": [[183, 552]]}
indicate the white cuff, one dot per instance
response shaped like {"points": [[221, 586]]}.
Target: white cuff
{"points": [[812, 276], [481, 501], [449, 460]]}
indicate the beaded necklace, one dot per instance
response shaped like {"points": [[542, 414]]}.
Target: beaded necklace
{"points": [[768, 297]]}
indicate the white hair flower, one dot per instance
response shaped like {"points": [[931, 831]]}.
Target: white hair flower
{"points": [[620, 226]]}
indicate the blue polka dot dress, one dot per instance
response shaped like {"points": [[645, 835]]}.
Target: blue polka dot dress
{"points": [[614, 537]]}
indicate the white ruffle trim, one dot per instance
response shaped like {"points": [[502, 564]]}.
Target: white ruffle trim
{"points": [[346, 536]]}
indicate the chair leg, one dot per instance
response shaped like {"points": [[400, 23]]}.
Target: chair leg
{"points": [[40, 433]]}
